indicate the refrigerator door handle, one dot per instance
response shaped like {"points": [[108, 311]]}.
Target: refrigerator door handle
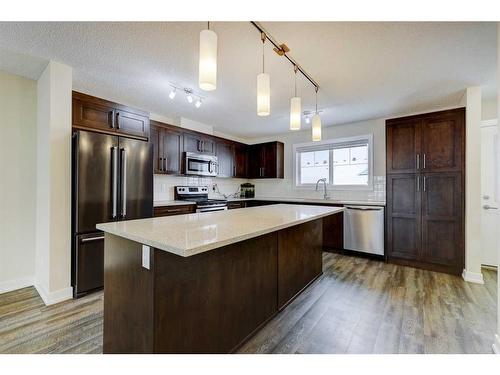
{"points": [[124, 182], [114, 161]]}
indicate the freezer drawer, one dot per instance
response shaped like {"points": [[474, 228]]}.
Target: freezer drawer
{"points": [[89, 263], [364, 229]]}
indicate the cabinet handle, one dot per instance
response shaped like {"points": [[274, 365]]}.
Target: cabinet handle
{"points": [[164, 164], [112, 119], [118, 120], [114, 162], [202, 146], [418, 183], [424, 161], [424, 183], [234, 170], [90, 239], [124, 182], [418, 162], [198, 143]]}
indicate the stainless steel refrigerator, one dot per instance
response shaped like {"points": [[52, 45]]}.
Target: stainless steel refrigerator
{"points": [[112, 180]]}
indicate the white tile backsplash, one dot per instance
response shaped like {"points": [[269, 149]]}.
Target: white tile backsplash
{"points": [[163, 185], [271, 188]]}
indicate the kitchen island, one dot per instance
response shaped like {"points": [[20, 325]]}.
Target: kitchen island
{"points": [[205, 283]]}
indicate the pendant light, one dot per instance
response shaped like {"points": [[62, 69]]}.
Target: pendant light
{"points": [[263, 87], [316, 122], [207, 77], [295, 110]]}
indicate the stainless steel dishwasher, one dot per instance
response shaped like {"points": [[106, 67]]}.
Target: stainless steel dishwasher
{"points": [[364, 229]]}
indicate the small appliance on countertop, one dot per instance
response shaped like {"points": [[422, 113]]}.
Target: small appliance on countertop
{"points": [[247, 190], [199, 195]]}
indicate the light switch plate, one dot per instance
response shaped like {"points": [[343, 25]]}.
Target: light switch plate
{"points": [[146, 252]]}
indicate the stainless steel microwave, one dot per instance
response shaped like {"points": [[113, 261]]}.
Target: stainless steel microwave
{"points": [[201, 164]]}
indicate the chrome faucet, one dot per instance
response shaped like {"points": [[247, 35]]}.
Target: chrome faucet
{"points": [[323, 180]]}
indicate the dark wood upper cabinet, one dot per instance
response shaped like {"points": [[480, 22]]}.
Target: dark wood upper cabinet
{"points": [[131, 123], [90, 112], [167, 146], [425, 202], [403, 145], [240, 161], [225, 159], [443, 141], [198, 143], [266, 160]]}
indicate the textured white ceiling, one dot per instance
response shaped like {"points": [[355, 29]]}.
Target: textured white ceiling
{"points": [[365, 70]]}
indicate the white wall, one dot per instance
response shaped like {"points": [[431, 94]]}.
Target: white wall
{"points": [[496, 342], [53, 183], [489, 109], [285, 187], [18, 181], [472, 271]]}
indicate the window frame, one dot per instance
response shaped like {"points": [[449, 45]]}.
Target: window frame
{"points": [[330, 145]]}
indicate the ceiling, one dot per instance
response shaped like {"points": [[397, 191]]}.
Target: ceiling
{"points": [[365, 69]]}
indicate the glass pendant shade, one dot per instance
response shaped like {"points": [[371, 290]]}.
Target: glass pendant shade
{"points": [[316, 128], [208, 60], [263, 94], [295, 113]]}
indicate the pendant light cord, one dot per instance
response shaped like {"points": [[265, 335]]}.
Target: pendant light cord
{"points": [[263, 38], [295, 70], [208, 25], [316, 89]]}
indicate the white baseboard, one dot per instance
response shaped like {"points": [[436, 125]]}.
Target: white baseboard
{"points": [[496, 345], [10, 285], [473, 277], [51, 298]]}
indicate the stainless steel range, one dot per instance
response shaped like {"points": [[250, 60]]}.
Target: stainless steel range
{"points": [[199, 195]]}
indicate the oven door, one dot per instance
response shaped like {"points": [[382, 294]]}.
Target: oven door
{"points": [[201, 165], [201, 209]]}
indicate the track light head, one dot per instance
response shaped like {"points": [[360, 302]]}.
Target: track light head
{"points": [[172, 94], [197, 104]]}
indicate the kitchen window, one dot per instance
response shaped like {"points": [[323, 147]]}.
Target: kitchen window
{"points": [[345, 163]]}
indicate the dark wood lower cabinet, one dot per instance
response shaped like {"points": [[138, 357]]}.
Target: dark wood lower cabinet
{"points": [[207, 303]]}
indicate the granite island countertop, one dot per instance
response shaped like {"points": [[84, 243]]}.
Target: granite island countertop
{"points": [[191, 234]]}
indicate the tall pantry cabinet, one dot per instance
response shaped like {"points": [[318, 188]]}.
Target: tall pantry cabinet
{"points": [[425, 156]]}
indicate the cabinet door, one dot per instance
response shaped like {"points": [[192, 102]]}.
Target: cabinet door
{"points": [[442, 227], [171, 141], [403, 146], [155, 139], [333, 232], [269, 160], [255, 161], [240, 161], [404, 216], [198, 144], [91, 115], [443, 141], [131, 124], [225, 159]]}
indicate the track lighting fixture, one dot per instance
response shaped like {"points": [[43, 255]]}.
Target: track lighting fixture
{"points": [[189, 96], [197, 104]]}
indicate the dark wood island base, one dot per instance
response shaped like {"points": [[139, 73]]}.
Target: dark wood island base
{"points": [[207, 303]]}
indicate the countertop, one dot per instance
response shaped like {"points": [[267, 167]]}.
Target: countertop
{"points": [[192, 234], [291, 200]]}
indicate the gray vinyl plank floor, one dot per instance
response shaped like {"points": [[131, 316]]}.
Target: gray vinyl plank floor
{"points": [[356, 306]]}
